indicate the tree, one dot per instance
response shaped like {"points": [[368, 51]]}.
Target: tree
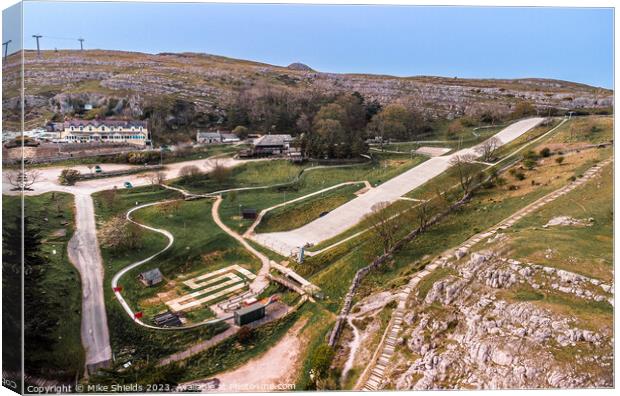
{"points": [[424, 212], [382, 225], [157, 178], [241, 132], [23, 180], [118, 233], [523, 109], [68, 177], [393, 122], [466, 170], [245, 335], [189, 173], [487, 149], [220, 173]]}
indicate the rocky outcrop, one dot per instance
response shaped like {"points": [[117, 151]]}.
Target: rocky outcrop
{"points": [[209, 81], [481, 339]]}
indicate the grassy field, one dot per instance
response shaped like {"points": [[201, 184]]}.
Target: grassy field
{"points": [[200, 246], [303, 212], [587, 250], [310, 181], [129, 341], [52, 214]]}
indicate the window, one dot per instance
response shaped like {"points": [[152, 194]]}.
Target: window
{"points": [[72, 128], [90, 128], [81, 128]]}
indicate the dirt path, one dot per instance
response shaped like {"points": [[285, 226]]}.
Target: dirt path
{"points": [[274, 370]]}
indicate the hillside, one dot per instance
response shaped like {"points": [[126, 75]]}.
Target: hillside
{"points": [[126, 83]]}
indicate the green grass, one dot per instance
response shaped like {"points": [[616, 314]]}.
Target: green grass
{"points": [[64, 359], [311, 180], [585, 250], [303, 212], [591, 129], [200, 246], [129, 341]]}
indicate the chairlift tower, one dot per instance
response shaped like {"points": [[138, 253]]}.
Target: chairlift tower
{"points": [[37, 37], [6, 47]]}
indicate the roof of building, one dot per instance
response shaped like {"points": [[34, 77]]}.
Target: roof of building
{"points": [[109, 123], [273, 140], [249, 308], [151, 275], [209, 135], [228, 136], [168, 319]]}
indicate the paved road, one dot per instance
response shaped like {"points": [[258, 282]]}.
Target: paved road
{"points": [[352, 212], [83, 248]]}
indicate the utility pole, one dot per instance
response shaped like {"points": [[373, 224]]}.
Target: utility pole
{"points": [[38, 36], [81, 40], [6, 47]]}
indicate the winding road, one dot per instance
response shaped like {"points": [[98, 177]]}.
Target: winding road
{"points": [[83, 248]]}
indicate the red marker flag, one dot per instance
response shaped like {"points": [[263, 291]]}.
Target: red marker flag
{"points": [[137, 315], [118, 288]]}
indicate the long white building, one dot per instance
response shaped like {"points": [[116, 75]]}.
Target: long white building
{"points": [[106, 131]]}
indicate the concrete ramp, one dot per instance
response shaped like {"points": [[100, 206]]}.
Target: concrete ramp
{"points": [[352, 212]]}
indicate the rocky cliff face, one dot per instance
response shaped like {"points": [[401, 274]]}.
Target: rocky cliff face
{"points": [[54, 81], [473, 330]]}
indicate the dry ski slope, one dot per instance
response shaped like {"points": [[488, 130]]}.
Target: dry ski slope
{"points": [[349, 214]]}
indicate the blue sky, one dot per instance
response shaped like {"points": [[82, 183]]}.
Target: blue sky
{"points": [[569, 44]]}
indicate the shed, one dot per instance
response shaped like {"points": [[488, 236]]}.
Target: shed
{"points": [[249, 314], [151, 277], [249, 214], [167, 319]]}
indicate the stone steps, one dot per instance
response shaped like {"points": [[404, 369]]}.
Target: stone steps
{"points": [[376, 376]]}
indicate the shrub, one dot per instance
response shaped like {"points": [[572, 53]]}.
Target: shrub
{"points": [[519, 176], [559, 160], [189, 173], [69, 177], [545, 152], [529, 163]]}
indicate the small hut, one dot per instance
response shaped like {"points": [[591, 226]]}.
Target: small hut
{"points": [[151, 277]]}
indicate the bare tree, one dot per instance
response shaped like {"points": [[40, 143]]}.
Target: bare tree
{"points": [[465, 169], [488, 148], [424, 212], [220, 173], [119, 233], [157, 178], [383, 225], [23, 180], [189, 173]]}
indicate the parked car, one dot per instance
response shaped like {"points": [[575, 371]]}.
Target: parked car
{"points": [[128, 185], [98, 169]]}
